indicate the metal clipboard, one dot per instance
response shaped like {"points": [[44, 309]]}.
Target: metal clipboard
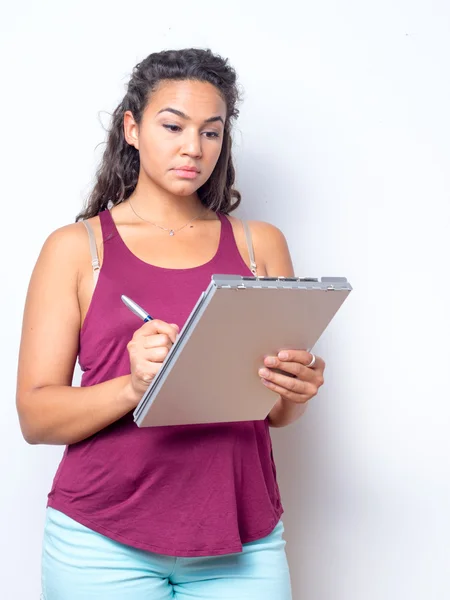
{"points": [[211, 372]]}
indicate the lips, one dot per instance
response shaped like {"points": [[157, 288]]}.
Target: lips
{"points": [[186, 172], [186, 168], [183, 174]]}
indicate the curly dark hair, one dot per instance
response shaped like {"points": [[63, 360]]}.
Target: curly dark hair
{"points": [[117, 175]]}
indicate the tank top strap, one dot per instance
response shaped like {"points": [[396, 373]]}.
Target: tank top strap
{"points": [[108, 226], [228, 248], [227, 243]]}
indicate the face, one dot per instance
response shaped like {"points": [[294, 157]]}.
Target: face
{"points": [[180, 136]]}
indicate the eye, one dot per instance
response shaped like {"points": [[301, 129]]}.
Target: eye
{"points": [[172, 128], [211, 134]]}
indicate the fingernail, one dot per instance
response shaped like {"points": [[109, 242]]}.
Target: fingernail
{"points": [[283, 355], [270, 361], [264, 372]]}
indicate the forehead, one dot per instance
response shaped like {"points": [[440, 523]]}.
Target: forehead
{"points": [[194, 98]]}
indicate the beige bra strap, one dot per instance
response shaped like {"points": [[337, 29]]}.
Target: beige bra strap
{"points": [[251, 254], [93, 249]]}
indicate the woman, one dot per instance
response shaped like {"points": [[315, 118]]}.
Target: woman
{"points": [[184, 511]]}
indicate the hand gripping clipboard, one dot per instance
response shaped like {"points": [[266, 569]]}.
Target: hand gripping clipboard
{"points": [[211, 372]]}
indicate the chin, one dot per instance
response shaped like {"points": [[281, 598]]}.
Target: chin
{"points": [[185, 189]]}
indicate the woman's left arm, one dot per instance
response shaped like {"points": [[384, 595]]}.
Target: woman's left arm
{"points": [[296, 389]]}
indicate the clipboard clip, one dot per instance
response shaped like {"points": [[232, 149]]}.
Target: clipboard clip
{"points": [[246, 281]]}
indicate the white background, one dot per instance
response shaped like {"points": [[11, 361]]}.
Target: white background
{"points": [[343, 142]]}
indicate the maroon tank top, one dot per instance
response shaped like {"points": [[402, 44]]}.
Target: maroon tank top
{"points": [[184, 490]]}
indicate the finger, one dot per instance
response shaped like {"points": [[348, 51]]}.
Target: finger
{"points": [[156, 340], [145, 370], [301, 356], [156, 355], [288, 384], [293, 368], [284, 393], [156, 326], [149, 363]]}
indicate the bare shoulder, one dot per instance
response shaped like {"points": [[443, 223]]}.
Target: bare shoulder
{"points": [[270, 246], [267, 234], [261, 231], [68, 244], [66, 238]]}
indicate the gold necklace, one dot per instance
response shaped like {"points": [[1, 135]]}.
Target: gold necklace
{"points": [[171, 231]]}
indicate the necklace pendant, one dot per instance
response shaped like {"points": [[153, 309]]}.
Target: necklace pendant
{"points": [[171, 232]]}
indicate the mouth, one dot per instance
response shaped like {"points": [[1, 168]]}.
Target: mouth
{"points": [[187, 172]]}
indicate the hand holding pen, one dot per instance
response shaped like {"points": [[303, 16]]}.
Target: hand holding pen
{"points": [[148, 347]]}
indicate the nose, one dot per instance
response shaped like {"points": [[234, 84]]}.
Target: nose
{"points": [[192, 145]]}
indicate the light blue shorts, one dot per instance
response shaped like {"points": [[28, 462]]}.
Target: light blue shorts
{"points": [[80, 564]]}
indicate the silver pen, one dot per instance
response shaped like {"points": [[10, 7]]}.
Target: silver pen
{"points": [[136, 309]]}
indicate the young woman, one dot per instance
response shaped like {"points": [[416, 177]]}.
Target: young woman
{"points": [[184, 512]]}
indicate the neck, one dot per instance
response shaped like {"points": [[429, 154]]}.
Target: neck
{"points": [[160, 206]]}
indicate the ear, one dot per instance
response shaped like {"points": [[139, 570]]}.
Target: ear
{"points": [[131, 129]]}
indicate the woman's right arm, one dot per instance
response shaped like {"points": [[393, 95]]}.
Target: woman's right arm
{"points": [[50, 410]]}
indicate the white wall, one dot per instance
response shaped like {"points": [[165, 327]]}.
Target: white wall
{"points": [[343, 143]]}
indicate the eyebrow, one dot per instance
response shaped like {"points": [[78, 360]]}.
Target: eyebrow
{"points": [[183, 116]]}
